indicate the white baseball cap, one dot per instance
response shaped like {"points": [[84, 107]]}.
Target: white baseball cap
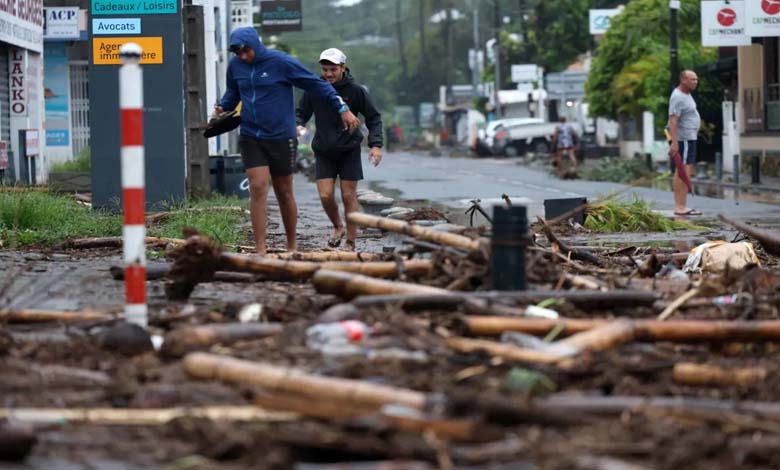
{"points": [[334, 56]]}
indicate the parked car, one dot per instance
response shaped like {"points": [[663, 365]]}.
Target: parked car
{"points": [[486, 137], [516, 139]]}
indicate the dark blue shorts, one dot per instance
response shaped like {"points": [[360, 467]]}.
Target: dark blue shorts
{"points": [[687, 152]]}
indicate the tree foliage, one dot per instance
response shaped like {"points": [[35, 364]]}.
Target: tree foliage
{"points": [[630, 72]]}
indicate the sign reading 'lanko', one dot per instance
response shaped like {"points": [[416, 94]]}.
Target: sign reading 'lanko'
{"points": [[133, 7]]}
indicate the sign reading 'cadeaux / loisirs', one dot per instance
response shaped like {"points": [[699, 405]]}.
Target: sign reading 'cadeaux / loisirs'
{"points": [[134, 7]]}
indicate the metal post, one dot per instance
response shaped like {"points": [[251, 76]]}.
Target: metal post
{"points": [[674, 5], [649, 160], [497, 58], [24, 168], [475, 68], [133, 182], [755, 169], [507, 259], [736, 169], [718, 166]]}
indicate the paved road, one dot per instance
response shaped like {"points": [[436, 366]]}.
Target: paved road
{"points": [[453, 182]]}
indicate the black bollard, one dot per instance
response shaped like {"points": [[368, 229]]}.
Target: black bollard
{"points": [[718, 167], [755, 169], [507, 258], [649, 161], [736, 169]]}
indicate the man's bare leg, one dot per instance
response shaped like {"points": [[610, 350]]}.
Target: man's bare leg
{"points": [[573, 159], [258, 204], [327, 187], [283, 188], [681, 191], [349, 198]]}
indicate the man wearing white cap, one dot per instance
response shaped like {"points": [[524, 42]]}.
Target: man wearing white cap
{"points": [[337, 152]]}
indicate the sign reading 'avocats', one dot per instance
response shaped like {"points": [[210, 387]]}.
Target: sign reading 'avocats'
{"points": [[105, 51]]}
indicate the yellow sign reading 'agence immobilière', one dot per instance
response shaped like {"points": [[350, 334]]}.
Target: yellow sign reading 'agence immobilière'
{"points": [[105, 51]]}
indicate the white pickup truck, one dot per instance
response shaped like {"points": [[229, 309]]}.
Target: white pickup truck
{"points": [[533, 135]]}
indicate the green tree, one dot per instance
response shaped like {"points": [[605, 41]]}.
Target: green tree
{"points": [[630, 72]]}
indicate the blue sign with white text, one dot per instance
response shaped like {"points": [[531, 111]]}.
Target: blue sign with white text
{"points": [[134, 7], [116, 26]]}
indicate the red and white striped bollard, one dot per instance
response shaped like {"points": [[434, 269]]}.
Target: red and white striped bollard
{"points": [[133, 200]]}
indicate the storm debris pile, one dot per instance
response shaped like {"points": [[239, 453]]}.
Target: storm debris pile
{"points": [[612, 353]]}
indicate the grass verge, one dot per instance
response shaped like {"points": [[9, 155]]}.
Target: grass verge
{"points": [[619, 170], [633, 216], [40, 218]]}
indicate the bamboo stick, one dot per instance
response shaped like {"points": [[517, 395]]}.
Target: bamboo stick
{"points": [[403, 418], [305, 269], [504, 351], [770, 241], [677, 303], [597, 339], [322, 256], [399, 226], [290, 380], [43, 316], [687, 373], [183, 340], [683, 331], [585, 300], [141, 417], [352, 285], [112, 242]]}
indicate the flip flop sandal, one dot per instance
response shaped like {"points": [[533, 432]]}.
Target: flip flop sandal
{"points": [[335, 240], [689, 212], [349, 245]]}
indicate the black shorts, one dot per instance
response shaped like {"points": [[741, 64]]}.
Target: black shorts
{"points": [[346, 165], [278, 155], [687, 152]]}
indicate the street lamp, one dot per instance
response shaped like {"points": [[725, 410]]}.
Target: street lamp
{"points": [[674, 5]]}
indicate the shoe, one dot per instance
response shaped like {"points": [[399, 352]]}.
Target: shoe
{"points": [[349, 245], [335, 240], [689, 212]]}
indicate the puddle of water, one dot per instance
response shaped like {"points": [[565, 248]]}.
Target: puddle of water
{"points": [[723, 191]]}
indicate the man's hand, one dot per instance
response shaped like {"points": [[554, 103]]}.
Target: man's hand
{"points": [[217, 111], [375, 155], [674, 147], [301, 131], [349, 120]]}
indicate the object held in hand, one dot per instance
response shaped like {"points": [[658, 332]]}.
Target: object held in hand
{"points": [[223, 123]]}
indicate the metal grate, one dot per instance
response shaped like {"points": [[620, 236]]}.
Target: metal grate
{"points": [[79, 93]]}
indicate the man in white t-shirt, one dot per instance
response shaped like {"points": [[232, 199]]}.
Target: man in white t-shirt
{"points": [[684, 123]]}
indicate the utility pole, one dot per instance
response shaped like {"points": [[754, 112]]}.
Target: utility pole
{"points": [[475, 66], [674, 5], [448, 73], [497, 57]]}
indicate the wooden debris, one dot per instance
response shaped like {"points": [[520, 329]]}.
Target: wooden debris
{"points": [[585, 300], [687, 373], [424, 233], [200, 257], [770, 241], [111, 242], [183, 340], [567, 251], [141, 417], [504, 351], [398, 417], [43, 316], [290, 380], [349, 285], [683, 331], [322, 256], [678, 302]]}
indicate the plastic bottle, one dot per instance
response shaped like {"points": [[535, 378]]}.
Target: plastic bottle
{"points": [[343, 332]]}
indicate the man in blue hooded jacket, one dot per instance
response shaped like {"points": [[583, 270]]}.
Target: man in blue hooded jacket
{"points": [[262, 80]]}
